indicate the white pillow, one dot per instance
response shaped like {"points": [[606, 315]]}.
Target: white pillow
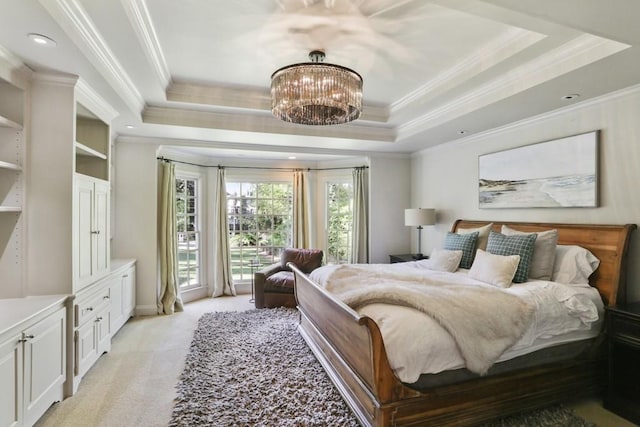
{"points": [[497, 270], [443, 260], [483, 234], [573, 265], [544, 251]]}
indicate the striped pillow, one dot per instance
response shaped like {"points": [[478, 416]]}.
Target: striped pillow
{"points": [[522, 245], [462, 242]]}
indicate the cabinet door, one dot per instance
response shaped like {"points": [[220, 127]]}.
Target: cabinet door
{"points": [[11, 382], [117, 298], [103, 331], [129, 292], [44, 365], [100, 230], [84, 236], [86, 348]]}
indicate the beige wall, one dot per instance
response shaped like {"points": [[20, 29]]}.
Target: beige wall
{"points": [[390, 194], [450, 172], [135, 234]]}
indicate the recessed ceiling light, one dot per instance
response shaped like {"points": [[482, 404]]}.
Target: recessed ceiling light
{"points": [[291, 157], [571, 96], [130, 126], [41, 40], [462, 132]]}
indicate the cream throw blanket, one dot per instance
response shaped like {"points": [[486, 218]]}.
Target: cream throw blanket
{"points": [[483, 321]]}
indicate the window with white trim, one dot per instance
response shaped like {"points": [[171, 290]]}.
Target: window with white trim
{"points": [[188, 230], [260, 216], [339, 217]]}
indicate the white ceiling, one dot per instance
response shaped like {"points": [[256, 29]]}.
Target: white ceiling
{"points": [[197, 72]]}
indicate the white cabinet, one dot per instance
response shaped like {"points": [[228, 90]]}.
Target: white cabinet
{"points": [[92, 335], [32, 357], [123, 295], [91, 237], [99, 312]]}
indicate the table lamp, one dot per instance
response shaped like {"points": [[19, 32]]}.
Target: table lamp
{"points": [[419, 217]]}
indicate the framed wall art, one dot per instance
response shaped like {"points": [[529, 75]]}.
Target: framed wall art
{"points": [[552, 174]]}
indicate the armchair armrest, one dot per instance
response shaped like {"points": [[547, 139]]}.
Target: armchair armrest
{"points": [[259, 278]]}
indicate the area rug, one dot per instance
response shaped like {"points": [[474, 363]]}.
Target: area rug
{"points": [[253, 368]]}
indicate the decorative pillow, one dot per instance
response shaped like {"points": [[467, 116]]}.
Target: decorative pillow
{"points": [[573, 265], [442, 260], [462, 242], [544, 252], [497, 270], [499, 244], [483, 234]]}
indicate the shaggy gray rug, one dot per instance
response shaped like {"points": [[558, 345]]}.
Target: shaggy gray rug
{"points": [[253, 368]]}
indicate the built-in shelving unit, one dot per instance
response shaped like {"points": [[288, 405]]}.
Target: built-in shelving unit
{"points": [[92, 144], [12, 104]]}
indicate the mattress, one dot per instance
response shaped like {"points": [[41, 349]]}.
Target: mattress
{"points": [[416, 344]]}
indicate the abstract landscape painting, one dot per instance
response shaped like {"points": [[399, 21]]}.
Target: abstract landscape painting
{"points": [[558, 173]]}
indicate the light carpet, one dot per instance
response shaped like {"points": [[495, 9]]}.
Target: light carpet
{"points": [[253, 368]]}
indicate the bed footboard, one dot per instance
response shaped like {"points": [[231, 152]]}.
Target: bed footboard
{"points": [[349, 346]]}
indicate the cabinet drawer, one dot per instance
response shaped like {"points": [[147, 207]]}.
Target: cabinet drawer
{"points": [[625, 329], [88, 308]]}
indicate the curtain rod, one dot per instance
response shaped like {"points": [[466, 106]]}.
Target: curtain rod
{"points": [[164, 159]]}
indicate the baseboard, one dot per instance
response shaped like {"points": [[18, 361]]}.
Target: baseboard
{"points": [[146, 310]]}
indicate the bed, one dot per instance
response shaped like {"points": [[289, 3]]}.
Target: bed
{"points": [[351, 349]]}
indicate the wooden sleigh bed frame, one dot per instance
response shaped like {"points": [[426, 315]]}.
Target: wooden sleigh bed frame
{"points": [[350, 348]]}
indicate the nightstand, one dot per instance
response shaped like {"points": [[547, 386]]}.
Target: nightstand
{"points": [[405, 258], [623, 387]]}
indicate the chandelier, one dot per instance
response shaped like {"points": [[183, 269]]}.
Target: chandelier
{"points": [[314, 93]]}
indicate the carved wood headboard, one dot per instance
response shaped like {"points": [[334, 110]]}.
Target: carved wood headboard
{"points": [[607, 242]]}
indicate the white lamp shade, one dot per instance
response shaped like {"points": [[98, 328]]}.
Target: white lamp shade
{"points": [[419, 216]]}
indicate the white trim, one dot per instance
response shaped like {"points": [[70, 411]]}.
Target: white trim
{"points": [[511, 42], [622, 93], [140, 19], [90, 99], [574, 54], [72, 17]]}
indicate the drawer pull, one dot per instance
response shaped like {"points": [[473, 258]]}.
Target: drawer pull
{"points": [[89, 309], [124, 276], [95, 232], [106, 297], [26, 337], [99, 319]]}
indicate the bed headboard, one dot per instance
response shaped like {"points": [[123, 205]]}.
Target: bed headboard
{"points": [[607, 242]]}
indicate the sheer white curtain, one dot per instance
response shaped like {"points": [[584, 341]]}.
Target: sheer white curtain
{"points": [[223, 280], [301, 210], [169, 300], [360, 235]]}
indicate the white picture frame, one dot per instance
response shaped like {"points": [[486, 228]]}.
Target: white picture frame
{"points": [[559, 173]]}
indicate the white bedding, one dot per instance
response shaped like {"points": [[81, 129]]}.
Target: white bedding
{"points": [[562, 314]]}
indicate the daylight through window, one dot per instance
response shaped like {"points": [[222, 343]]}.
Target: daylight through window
{"points": [[188, 232]]}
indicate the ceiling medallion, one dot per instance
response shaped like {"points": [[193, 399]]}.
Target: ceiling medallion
{"points": [[315, 93]]}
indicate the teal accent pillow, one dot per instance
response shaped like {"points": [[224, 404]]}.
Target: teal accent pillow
{"points": [[500, 244], [462, 242]]}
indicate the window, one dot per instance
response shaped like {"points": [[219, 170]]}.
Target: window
{"points": [[339, 221], [188, 232], [260, 218]]}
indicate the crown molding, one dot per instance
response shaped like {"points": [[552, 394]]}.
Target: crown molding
{"points": [[62, 79], [574, 54], [71, 17], [247, 98], [511, 42], [90, 99], [13, 70], [140, 20], [472, 139], [261, 123]]}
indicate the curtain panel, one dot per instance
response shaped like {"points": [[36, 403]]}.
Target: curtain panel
{"points": [[223, 279], [360, 234], [169, 300], [301, 210]]}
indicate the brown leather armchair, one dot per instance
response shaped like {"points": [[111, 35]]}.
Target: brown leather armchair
{"points": [[274, 284]]}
